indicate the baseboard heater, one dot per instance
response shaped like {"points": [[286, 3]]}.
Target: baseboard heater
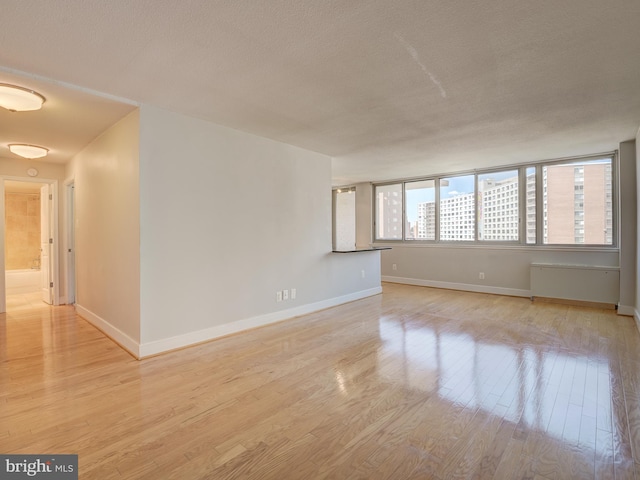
{"points": [[576, 282]]}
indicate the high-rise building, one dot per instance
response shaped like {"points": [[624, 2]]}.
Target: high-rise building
{"points": [[389, 213], [426, 224], [498, 213], [577, 204], [457, 218]]}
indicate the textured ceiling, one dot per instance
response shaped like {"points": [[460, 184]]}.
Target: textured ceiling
{"points": [[388, 88]]}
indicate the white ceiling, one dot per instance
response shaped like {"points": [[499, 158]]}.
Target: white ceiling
{"points": [[69, 120], [388, 88]]}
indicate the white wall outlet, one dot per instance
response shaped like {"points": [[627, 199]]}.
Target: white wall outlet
{"points": [[481, 276], [285, 295], [394, 267], [279, 296], [293, 294], [362, 273]]}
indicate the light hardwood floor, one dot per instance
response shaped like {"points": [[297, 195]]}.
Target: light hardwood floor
{"points": [[414, 383]]}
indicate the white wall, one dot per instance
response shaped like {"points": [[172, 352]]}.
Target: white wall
{"points": [[107, 231], [364, 214], [506, 269], [227, 219], [627, 227], [637, 301]]}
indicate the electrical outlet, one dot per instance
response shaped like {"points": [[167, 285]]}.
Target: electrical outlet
{"points": [[285, 295], [481, 276], [293, 294], [394, 267], [278, 296]]}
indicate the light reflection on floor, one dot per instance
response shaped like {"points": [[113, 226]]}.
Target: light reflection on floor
{"points": [[557, 393]]}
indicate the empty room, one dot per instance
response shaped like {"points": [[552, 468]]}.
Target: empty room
{"points": [[319, 240]]}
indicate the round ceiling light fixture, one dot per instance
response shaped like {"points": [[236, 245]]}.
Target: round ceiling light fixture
{"points": [[19, 99], [28, 151]]}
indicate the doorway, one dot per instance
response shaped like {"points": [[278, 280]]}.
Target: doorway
{"points": [[28, 237]]}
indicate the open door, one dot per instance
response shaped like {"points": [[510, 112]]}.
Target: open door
{"points": [[46, 244]]}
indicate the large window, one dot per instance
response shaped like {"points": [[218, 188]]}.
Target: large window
{"points": [[498, 210], [548, 203]]}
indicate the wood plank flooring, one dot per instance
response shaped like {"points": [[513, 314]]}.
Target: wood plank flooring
{"points": [[414, 383]]}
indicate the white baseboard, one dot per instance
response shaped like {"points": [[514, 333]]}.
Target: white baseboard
{"points": [[636, 317], [141, 350], [179, 341], [626, 310], [467, 287], [117, 335]]}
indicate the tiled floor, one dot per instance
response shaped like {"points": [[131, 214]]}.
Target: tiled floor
{"points": [[23, 301]]}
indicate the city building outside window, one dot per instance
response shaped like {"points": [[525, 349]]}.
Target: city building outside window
{"points": [[388, 205], [457, 208], [576, 206]]}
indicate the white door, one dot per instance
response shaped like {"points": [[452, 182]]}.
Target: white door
{"points": [[71, 248], [45, 244]]}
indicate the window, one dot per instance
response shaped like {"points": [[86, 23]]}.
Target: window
{"points": [[420, 208], [457, 208], [388, 205], [578, 191], [499, 223], [548, 203]]}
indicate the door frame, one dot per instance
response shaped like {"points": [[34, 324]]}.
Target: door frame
{"points": [[69, 240], [55, 267]]}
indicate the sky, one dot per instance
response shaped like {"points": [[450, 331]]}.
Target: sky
{"points": [[457, 186]]}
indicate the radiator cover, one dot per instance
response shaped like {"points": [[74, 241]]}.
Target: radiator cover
{"points": [[576, 282]]}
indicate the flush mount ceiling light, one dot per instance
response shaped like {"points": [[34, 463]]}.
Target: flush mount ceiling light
{"points": [[19, 99], [28, 151]]}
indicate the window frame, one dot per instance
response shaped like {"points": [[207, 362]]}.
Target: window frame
{"points": [[474, 197], [521, 170], [613, 157]]}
